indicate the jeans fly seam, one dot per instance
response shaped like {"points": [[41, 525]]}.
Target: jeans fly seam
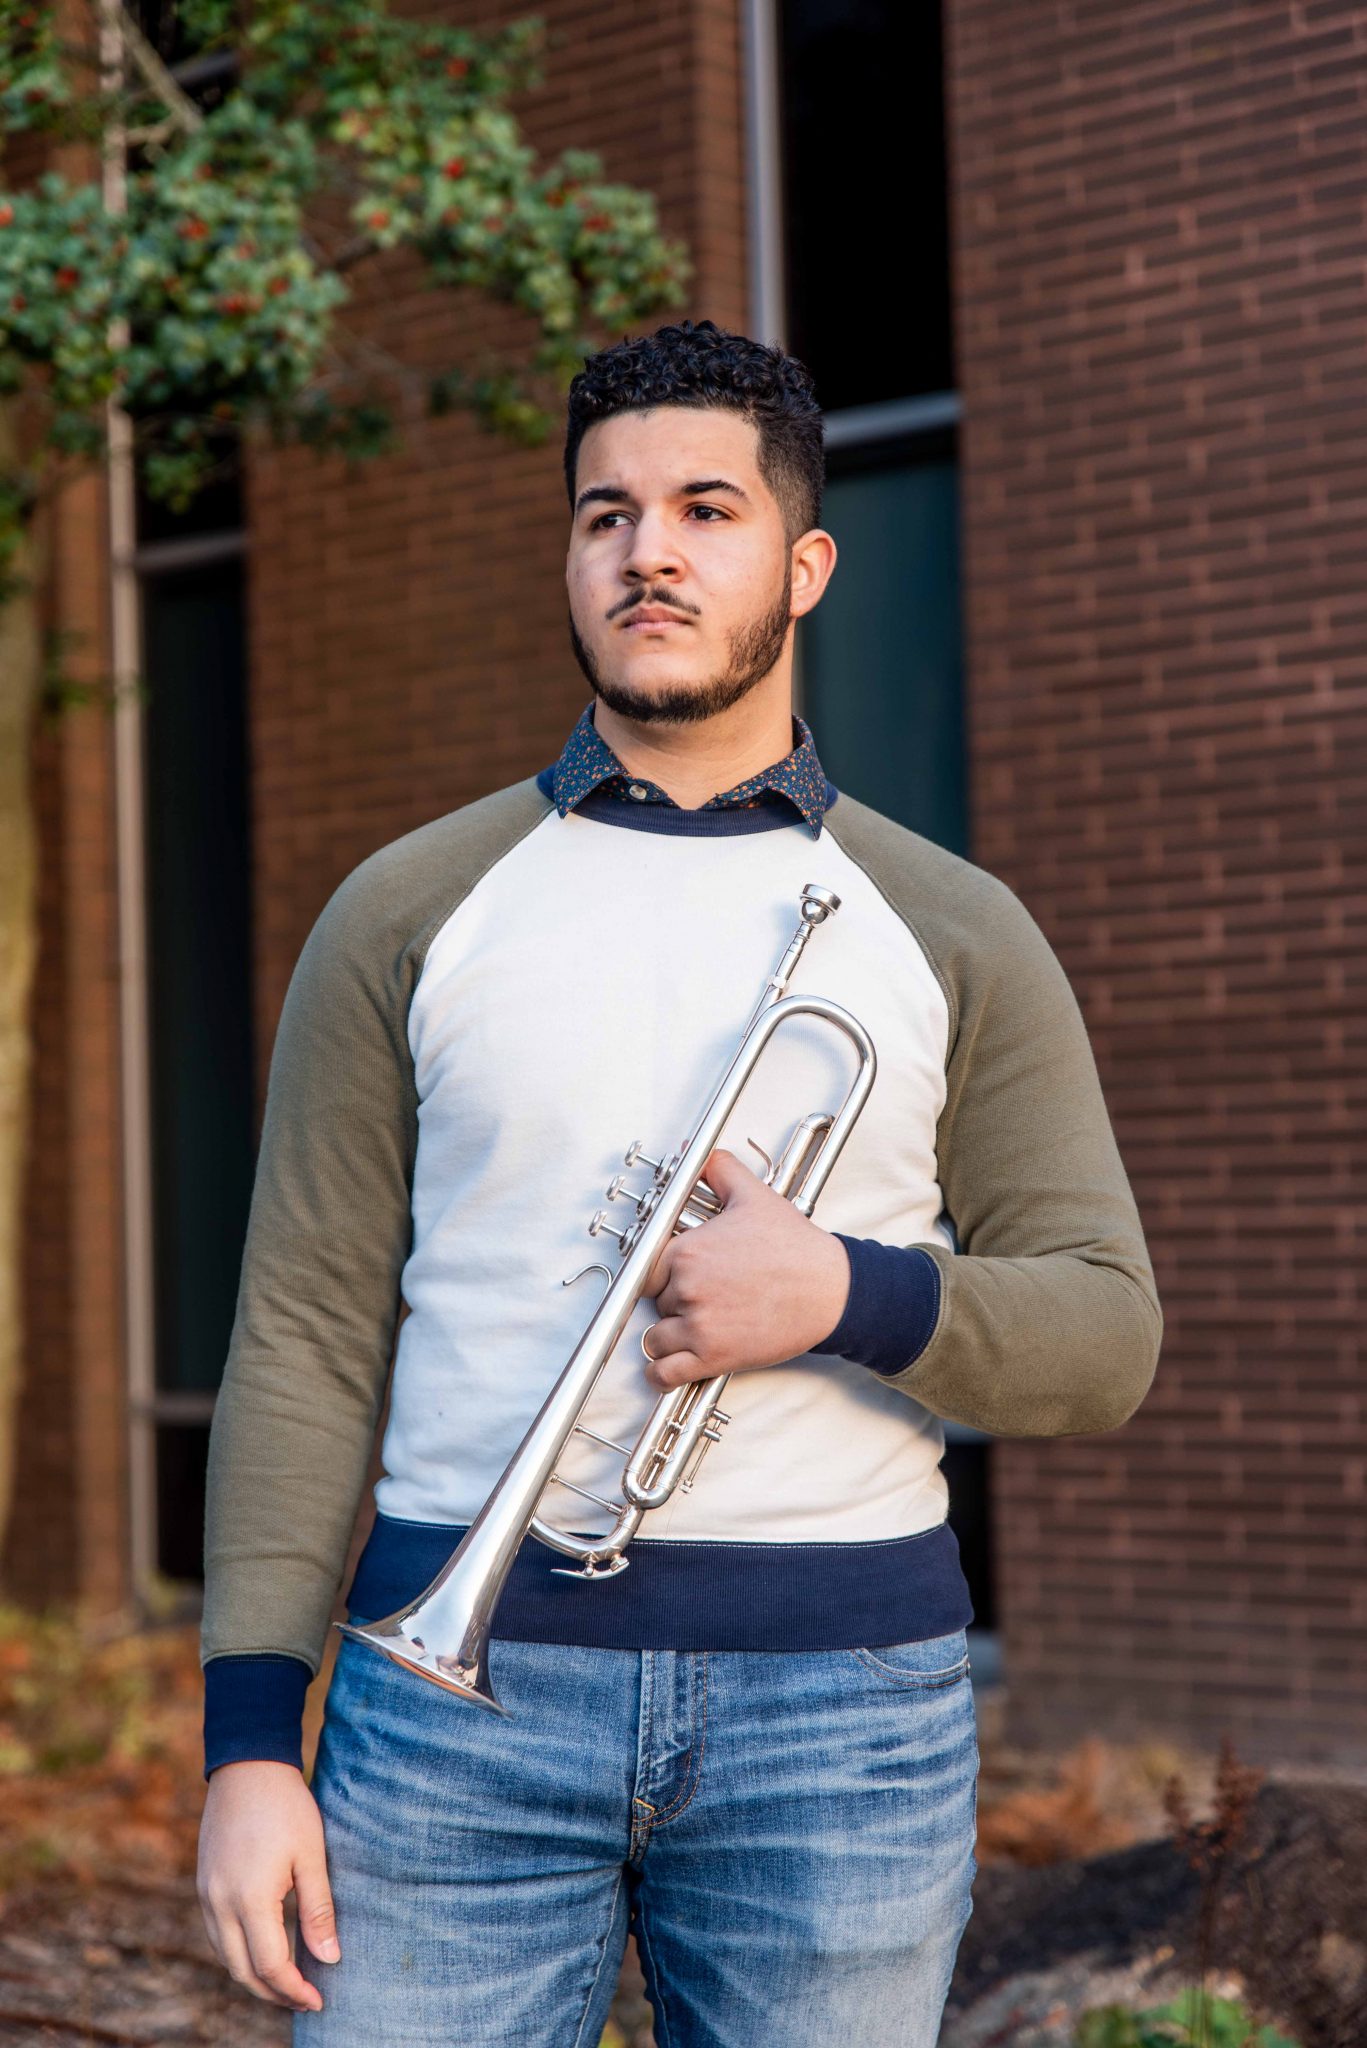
{"points": [[685, 1798], [602, 1958], [641, 1824]]}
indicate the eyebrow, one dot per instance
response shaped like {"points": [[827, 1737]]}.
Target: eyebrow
{"points": [[614, 494]]}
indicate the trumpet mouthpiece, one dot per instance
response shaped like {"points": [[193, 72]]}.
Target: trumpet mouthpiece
{"points": [[818, 904]]}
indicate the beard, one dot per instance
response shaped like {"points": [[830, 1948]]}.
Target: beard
{"points": [[753, 652]]}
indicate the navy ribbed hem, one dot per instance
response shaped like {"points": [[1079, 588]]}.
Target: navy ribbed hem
{"points": [[731, 821], [893, 1304], [695, 1596], [253, 1708]]}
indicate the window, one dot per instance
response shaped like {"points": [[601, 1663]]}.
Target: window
{"points": [[193, 1150], [865, 219]]}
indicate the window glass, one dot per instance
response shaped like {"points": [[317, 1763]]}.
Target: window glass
{"points": [[199, 962], [865, 197], [880, 655]]}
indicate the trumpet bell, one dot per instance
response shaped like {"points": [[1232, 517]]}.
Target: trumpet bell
{"points": [[468, 1677]]}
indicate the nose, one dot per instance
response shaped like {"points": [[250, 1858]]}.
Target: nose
{"points": [[653, 555]]}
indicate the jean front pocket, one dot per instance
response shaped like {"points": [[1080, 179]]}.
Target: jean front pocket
{"points": [[925, 1666]]}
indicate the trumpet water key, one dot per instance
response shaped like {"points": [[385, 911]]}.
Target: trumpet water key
{"points": [[444, 1634]]}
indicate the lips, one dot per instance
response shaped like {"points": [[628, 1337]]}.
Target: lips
{"points": [[651, 615]]}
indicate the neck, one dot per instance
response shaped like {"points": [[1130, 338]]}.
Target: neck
{"points": [[694, 762]]}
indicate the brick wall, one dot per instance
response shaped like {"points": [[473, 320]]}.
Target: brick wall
{"points": [[1161, 296]]}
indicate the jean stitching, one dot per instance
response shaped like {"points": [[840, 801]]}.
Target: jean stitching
{"points": [[685, 1798], [602, 1958], [914, 1681], [640, 1829]]}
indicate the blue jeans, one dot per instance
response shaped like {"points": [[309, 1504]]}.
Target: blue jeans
{"points": [[789, 1835]]}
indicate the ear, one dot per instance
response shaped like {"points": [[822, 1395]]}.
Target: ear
{"points": [[814, 558]]}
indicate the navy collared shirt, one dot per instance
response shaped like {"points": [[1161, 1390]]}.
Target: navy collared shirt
{"points": [[587, 765]]}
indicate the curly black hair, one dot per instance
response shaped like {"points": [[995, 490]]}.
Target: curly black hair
{"points": [[704, 365]]}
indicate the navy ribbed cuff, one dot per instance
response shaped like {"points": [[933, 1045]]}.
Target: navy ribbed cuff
{"points": [[253, 1709], [893, 1305]]}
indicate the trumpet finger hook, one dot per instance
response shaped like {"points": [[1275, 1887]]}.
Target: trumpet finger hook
{"points": [[594, 1266]]}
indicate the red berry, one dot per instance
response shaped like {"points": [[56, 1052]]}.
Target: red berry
{"points": [[6, 216], [456, 67], [455, 168]]}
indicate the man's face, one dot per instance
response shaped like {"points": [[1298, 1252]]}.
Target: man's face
{"points": [[678, 572]]}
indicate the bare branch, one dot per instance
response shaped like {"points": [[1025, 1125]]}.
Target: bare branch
{"points": [[182, 108]]}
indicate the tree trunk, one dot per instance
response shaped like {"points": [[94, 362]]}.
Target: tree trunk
{"points": [[20, 681]]}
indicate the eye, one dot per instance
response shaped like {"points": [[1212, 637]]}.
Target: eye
{"points": [[714, 513]]}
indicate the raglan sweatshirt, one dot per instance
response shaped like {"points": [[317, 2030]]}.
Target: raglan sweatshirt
{"points": [[485, 1015]]}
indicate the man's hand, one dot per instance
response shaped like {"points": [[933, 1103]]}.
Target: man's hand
{"points": [[262, 1836], [754, 1286]]}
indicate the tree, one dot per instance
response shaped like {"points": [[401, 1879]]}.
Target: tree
{"points": [[195, 281]]}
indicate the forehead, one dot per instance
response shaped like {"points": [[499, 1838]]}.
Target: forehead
{"points": [[659, 449]]}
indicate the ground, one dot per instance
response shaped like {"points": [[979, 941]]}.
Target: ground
{"points": [[1081, 1897]]}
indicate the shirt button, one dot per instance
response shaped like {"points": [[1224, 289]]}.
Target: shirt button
{"points": [[638, 791]]}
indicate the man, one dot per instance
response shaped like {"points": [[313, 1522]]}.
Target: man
{"points": [[756, 1746]]}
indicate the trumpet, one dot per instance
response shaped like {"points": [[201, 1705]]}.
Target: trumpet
{"points": [[444, 1634]]}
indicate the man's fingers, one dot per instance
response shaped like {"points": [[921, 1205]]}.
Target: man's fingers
{"points": [[667, 1335], [317, 1921], [657, 1279], [677, 1368], [236, 1958], [727, 1175], [209, 1910], [268, 1947]]}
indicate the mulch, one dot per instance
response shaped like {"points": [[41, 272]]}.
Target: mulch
{"points": [[1290, 1928]]}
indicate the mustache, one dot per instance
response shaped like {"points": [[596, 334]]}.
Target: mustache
{"points": [[664, 599]]}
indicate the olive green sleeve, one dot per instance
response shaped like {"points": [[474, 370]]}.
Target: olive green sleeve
{"points": [[329, 1231], [1049, 1322]]}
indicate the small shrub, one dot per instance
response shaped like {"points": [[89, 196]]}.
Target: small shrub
{"points": [[1195, 2020]]}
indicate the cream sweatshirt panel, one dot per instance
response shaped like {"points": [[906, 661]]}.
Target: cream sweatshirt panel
{"points": [[589, 990]]}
